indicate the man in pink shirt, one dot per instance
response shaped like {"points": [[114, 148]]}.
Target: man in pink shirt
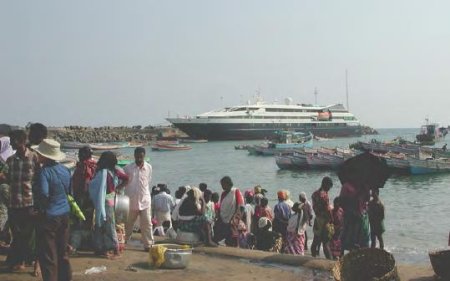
{"points": [[138, 190]]}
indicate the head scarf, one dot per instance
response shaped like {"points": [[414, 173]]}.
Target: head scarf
{"points": [[263, 222], [303, 195], [5, 149], [197, 194], [282, 195], [249, 193], [258, 189]]}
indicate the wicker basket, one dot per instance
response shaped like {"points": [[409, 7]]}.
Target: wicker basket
{"points": [[440, 260], [366, 264]]}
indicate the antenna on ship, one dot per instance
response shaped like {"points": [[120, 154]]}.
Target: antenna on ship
{"points": [[346, 88], [315, 96]]}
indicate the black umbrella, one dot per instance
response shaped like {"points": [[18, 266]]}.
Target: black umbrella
{"points": [[364, 168]]}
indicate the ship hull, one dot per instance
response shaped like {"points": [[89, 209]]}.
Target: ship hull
{"points": [[249, 131]]}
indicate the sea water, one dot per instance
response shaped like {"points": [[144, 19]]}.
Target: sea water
{"points": [[417, 207]]}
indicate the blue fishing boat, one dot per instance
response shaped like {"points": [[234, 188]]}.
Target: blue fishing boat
{"points": [[283, 142], [429, 166]]}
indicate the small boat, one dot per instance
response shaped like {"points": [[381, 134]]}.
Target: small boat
{"points": [[430, 133], [192, 140], [73, 145], [137, 144], [105, 146], [122, 162], [429, 166], [317, 138], [284, 161], [285, 141], [170, 147], [299, 159], [291, 140], [242, 146], [324, 161]]}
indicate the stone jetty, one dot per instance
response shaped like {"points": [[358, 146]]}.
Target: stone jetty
{"points": [[108, 134]]}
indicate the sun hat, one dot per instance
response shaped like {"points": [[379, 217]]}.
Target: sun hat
{"points": [[51, 149]]}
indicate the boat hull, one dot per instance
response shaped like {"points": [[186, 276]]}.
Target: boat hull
{"points": [[170, 147], [430, 166], [248, 131]]}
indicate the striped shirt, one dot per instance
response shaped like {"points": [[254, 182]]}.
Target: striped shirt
{"points": [[163, 202], [21, 171]]}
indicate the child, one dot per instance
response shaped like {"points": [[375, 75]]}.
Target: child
{"points": [[264, 210], [338, 221], [120, 230], [215, 197], [249, 210], [203, 186], [376, 219], [239, 231], [210, 212]]}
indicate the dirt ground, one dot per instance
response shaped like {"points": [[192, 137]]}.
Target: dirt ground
{"points": [[206, 264]]}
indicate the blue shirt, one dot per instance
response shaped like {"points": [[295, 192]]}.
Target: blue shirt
{"points": [[53, 187], [282, 211]]}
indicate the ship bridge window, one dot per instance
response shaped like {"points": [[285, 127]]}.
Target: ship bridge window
{"points": [[290, 110]]}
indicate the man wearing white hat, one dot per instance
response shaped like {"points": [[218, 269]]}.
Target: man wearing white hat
{"points": [[52, 188]]}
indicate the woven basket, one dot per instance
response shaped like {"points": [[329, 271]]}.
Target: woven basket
{"points": [[440, 260], [366, 264]]}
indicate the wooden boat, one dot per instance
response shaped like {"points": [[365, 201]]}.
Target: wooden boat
{"points": [[429, 166], [192, 140], [284, 161], [93, 146], [122, 162], [242, 146], [137, 144], [430, 133], [104, 146], [299, 159], [170, 147], [284, 142], [73, 145], [375, 146], [324, 161], [291, 140]]}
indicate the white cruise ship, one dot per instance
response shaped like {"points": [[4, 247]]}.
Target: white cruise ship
{"points": [[261, 120]]}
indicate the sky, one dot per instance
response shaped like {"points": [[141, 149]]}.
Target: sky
{"points": [[98, 63]]}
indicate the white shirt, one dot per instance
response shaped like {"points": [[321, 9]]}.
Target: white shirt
{"points": [[163, 202], [249, 212], [138, 188]]}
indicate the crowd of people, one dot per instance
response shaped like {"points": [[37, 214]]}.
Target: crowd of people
{"points": [[41, 226]]}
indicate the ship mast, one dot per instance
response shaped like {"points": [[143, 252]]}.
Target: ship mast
{"points": [[346, 88], [315, 96]]}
